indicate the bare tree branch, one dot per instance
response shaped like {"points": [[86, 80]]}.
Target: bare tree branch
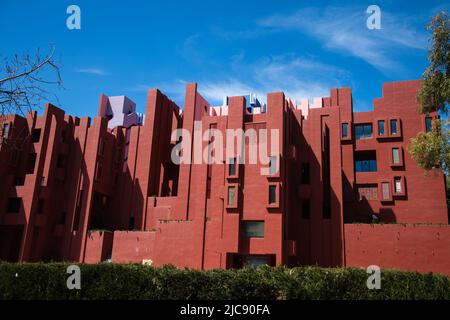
{"points": [[27, 81]]}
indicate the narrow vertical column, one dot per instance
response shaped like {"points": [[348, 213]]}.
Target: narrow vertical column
{"points": [[181, 209]]}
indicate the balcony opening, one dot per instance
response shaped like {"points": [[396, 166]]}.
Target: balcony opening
{"points": [[366, 161]]}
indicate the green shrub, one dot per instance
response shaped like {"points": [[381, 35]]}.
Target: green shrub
{"points": [[132, 281]]}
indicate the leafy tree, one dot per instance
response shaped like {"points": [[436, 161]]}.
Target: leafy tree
{"points": [[431, 149]]}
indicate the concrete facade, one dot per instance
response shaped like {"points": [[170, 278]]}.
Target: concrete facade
{"points": [[91, 190]]}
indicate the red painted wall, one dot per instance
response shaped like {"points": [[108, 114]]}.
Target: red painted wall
{"points": [[414, 247]]}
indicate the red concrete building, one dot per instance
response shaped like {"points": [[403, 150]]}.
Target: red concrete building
{"points": [[345, 193]]}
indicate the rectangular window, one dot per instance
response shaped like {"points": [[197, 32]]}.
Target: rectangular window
{"points": [[273, 169], [14, 205], [394, 129], [272, 194], [305, 173], [5, 130], [231, 195], [367, 192], [395, 155], [381, 127], [363, 131], [366, 161], [428, 124], [398, 185], [232, 167], [35, 135], [345, 130], [385, 193], [305, 209], [254, 229]]}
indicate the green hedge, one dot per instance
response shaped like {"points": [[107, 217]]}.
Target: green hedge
{"points": [[116, 281]]}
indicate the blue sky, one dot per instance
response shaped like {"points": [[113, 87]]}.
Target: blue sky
{"points": [[303, 48]]}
